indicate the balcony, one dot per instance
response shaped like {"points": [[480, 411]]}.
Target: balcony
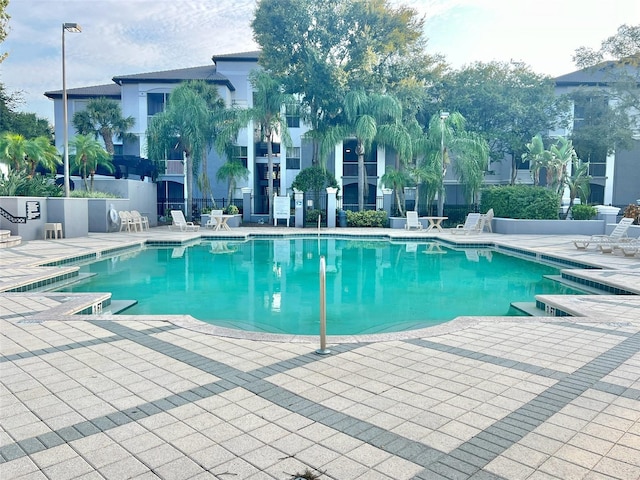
{"points": [[170, 167]]}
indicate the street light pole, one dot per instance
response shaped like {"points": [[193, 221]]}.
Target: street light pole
{"points": [[73, 28], [443, 117]]}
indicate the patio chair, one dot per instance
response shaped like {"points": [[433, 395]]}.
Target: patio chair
{"points": [[139, 218], [413, 221], [126, 222], [213, 223], [487, 218], [180, 223], [618, 235], [473, 224]]}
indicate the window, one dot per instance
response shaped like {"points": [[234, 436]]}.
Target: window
{"points": [[293, 158], [240, 154], [156, 103], [293, 117]]}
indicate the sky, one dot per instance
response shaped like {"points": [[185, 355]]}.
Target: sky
{"points": [[121, 37]]}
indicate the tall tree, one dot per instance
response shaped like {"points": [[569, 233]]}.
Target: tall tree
{"points": [[362, 114], [505, 102], [617, 62], [88, 155], [268, 116], [321, 50], [103, 118], [447, 139], [185, 124], [4, 22]]}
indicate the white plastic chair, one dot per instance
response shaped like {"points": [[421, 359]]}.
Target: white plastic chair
{"points": [[413, 221]]}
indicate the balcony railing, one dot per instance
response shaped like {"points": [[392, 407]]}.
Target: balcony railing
{"points": [[171, 167]]}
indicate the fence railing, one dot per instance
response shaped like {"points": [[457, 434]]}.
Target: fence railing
{"points": [[197, 206]]}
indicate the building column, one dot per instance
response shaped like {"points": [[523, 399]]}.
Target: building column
{"points": [[608, 182], [331, 207]]}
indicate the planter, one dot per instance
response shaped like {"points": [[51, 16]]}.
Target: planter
{"points": [[73, 213], [512, 226], [235, 221], [397, 222]]}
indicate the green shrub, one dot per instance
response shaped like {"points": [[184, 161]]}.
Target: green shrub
{"points": [[19, 184], [521, 201], [312, 216], [367, 218], [92, 194], [583, 212], [230, 210]]}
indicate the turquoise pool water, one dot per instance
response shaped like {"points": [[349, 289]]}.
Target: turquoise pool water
{"points": [[272, 285]]}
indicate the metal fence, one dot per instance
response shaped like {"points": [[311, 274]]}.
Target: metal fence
{"points": [[197, 206]]}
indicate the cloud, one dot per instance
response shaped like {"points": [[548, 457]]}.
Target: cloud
{"points": [[122, 37]]}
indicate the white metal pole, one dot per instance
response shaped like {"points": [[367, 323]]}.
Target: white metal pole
{"points": [[67, 183], [323, 308]]}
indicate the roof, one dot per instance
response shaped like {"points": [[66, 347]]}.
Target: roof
{"points": [[207, 73], [601, 74], [238, 57], [110, 90]]}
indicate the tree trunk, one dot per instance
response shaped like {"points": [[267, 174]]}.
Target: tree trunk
{"points": [[270, 180], [92, 174], [361, 176], [189, 167], [400, 209], [107, 136]]}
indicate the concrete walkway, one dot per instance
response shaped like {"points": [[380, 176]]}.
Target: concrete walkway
{"points": [[115, 397]]}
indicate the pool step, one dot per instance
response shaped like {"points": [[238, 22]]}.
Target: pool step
{"points": [[529, 308], [578, 286], [7, 240], [119, 306]]}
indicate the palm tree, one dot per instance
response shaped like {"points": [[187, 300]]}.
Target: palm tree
{"points": [[537, 156], [397, 180], [13, 150], [446, 139], [363, 114], [88, 156], [577, 183], [40, 151], [232, 171], [267, 112], [185, 125], [562, 154], [103, 118]]}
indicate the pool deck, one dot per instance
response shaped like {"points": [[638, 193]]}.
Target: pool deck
{"points": [[121, 396]]}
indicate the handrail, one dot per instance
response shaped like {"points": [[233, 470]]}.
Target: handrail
{"points": [[323, 309], [11, 218]]}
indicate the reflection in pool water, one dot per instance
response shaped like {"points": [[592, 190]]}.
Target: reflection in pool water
{"points": [[272, 285]]}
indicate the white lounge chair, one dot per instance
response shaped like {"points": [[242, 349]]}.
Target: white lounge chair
{"points": [[180, 223], [487, 218], [618, 235], [413, 221], [473, 224], [628, 246]]}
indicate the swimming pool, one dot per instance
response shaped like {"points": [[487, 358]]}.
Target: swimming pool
{"points": [[271, 285]]}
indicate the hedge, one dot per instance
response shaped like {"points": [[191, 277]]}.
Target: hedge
{"points": [[367, 218], [521, 201]]}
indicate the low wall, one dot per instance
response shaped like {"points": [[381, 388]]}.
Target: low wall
{"points": [[100, 220], [30, 211], [512, 226]]}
